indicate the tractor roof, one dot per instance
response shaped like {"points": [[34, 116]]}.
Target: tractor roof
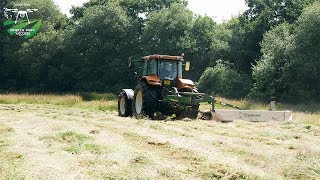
{"points": [[165, 57]]}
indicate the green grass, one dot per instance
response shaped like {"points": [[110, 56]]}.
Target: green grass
{"points": [[239, 152], [93, 148], [73, 137], [75, 142], [94, 101], [73, 149]]}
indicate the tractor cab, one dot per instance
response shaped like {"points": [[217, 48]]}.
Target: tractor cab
{"points": [[165, 71]]}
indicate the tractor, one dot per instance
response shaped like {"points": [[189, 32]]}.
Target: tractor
{"points": [[162, 90]]}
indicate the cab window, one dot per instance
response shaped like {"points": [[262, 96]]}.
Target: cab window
{"points": [[152, 67], [168, 70]]}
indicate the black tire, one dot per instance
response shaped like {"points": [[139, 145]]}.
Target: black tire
{"points": [[124, 105], [150, 100]]}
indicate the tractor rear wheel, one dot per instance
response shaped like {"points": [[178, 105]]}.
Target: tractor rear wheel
{"points": [[145, 101], [124, 105]]}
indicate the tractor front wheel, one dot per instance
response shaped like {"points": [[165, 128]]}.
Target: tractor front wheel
{"points": [[124, 105], [145, 101]]}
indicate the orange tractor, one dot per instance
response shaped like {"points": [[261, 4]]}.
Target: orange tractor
{"points": [[162, 90]]}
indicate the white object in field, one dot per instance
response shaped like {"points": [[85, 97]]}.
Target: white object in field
{"points": [[253, 116], [272, 105]]}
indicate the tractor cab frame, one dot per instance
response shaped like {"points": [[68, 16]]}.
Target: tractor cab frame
{"points": [[166, 71]]}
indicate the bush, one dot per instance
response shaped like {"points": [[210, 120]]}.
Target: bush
{"points": [[224, 81]]}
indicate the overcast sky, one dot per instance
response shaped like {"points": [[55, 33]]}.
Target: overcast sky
{"points": [[218, 9]]}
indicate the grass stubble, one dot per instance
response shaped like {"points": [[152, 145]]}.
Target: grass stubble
{"points": [[104, 146]]}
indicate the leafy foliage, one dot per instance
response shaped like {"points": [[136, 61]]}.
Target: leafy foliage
{"points": [[38, 67], [276, 11], [274, 42], [2, 42], [290, 68], [303, 72], [224, 81], [261, 16], [99, 46], [209, 43], [268, 72], [167, 31]]}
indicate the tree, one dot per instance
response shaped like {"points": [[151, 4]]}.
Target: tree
{"points": [[209, 43], [268, 73], [13, 74], [99, 48], [303, 71], [39, 58], [289, 68], [223, 80], [167, 31], [3, 4], [276, 11], [260, 17], [48, 12], [134, 8]]}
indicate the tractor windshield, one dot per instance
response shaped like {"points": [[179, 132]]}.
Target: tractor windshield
{"points": [[168, 70]]}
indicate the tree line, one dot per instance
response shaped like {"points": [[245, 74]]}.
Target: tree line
{"points": [[269, 52]]}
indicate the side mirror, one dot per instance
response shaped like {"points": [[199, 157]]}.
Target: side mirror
{"points": [[187, 66]]}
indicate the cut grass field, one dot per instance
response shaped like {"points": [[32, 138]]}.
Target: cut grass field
{"points": [[81, 137]]}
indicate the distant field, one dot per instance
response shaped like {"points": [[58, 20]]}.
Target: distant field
{"points": [[81, 137], [84, 101]]}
